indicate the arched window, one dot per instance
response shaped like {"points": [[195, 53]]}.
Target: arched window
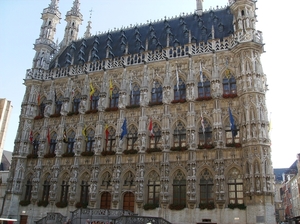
{"points": [[35, 145], [114, 98], [179, 189], [58, 104], [110, 139], [204, 89], [94, 100], [46, 189], [206, 188], [75, 106], [206, 137], [52, 143], [64, 190], [84, 193], [106, 179], [70, 142], [90, 139], [132, 138], [27, 196], [235, 187], [42, 107], [129, 179], [180, 93], [153, 188], [155, 139], [179, 135], [135, 95], [156, 92], [229, 87], [232, 136]]}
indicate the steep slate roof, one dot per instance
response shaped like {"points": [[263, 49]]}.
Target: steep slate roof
{"points": [[156, 34]]}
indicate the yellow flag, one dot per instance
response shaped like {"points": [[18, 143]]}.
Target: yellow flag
{"points": [[84, 132], [110, 88], [92, 90]]}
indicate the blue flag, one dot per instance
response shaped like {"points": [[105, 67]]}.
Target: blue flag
{"points": [[124, 129], [232, 125]]}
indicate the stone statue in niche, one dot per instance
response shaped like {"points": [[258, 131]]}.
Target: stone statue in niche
{"points": [[166, 95], [65, 108], [47, 111], [82, 106]]}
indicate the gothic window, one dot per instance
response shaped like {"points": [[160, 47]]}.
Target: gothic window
{"points": [[75, 106], [114, 98], [90, 139], [94, 100], [235, 187], [106, 179], [35, 145], [110, 139], [206, 187], [204, 88], [179, 135], [179, 94], [153, 188], [84, 193], [134, 95], [42, 107], [64, 191], [105, 201], [206, 137], [52, 143], [46, 189], [70, 142], [155, 139], [128, 179], [229, 86], [179, 188], [132, 137], [58, 104], [27, 196], [232, 136], [156, 92]]}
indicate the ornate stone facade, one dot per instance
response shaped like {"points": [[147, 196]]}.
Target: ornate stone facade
{"points": [[182, 128]]}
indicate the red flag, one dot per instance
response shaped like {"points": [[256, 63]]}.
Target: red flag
{"points": [[31, 137], [39, 99], [106, 133], [151, 128], [48, 136]]}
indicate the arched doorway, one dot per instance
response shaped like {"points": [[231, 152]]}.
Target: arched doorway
{"points": [[128, 201], [105, 201]]}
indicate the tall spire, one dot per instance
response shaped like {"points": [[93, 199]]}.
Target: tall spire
{"points": [[74, 19], [199, 7], [87, 33], [45, 45]]}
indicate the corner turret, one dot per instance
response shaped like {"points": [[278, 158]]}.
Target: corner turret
{"points": [[74, 18], [44, 45], [199, 7]]}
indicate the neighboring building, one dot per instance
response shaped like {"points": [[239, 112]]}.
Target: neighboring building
{"points": [[5, 110], [6, 160], [166, 119], [287, 193]]}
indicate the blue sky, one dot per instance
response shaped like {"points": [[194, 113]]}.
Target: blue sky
{"points": [[20, 26]]}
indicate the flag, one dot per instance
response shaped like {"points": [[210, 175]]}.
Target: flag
{"points": [[65, 140], [110, 88], [124, 129], [232, 125], [84, 132], [177, 79], [92, 90], [150, 128], [31, 137], [106, 133], [201, 74], [48, 136], [202, 123]]}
